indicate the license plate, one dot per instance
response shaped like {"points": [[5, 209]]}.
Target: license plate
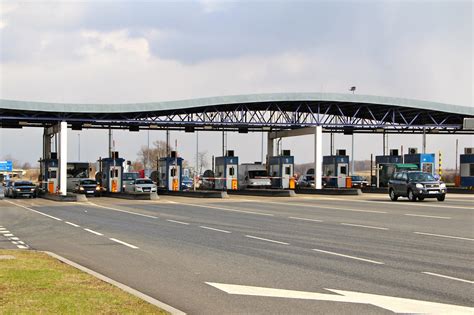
{"points": [[433, 192], [90, 191]]}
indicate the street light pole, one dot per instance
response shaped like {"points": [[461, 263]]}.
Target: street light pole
{"points": [[79, 147]]}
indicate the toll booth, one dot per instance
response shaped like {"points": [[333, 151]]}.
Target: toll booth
{"points": [[170, 172], [336, 169], [424, 161], [226, 172], [49, 174], [467, 168], [112, 171], [386, 165], [281, 170]]}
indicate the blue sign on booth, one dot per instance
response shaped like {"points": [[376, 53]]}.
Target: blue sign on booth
{"points": [[6, 166]]}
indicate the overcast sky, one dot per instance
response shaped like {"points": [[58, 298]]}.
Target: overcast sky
{"points": [[108, 52]]}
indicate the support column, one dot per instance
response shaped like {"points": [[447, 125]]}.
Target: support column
{"points": [[318, 157], [385, 143], [424, 140], [270, 149], [331, 144], [352, 156], [63, 158]]}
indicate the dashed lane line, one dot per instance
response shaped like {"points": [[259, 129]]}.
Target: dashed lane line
{"points": [[36, 211], [94, 232], [125, 211], [70, 223], [179, 222], [445, 236], [266, 240], [347, 256], [123, 243], [225, 209], [427, 216], [447, 277], [290, 204], [305, 219], [213, 229], [365, 226]]}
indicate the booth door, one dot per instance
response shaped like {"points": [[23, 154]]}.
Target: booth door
{"points": [[287, 172], [52, 180], [115, 179], [343, 169], [231, 175]]}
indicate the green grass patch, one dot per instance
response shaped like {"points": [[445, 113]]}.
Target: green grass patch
{"points": [[35, 283]]}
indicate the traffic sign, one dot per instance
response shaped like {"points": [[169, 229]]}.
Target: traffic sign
{"points": [[6, 166]]}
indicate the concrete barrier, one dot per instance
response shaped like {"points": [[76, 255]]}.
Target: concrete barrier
{"points": [[330, 191], [263, 192], [70, 197], [196, 194], [152, 196]]}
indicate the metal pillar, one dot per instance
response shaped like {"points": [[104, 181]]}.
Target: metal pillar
{"points": [[331, 144], [269, 146], [63, 158], [110, 142], [318, 157], [261, 152], [167, 143], [197, 160], [385, 143], [352, 156], [46, 144], [424, 140]]}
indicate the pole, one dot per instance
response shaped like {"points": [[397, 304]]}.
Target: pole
{"points": [[331, 144], [352, 155], [424, 140], [371, 168], [223, 139], [261, 152], [456, 158], [167, 143], [197, 159], [318, 157], [79, 147], [110, 142], [148, 150]]}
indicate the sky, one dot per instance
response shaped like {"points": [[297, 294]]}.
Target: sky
{"points": [[133, 51]]}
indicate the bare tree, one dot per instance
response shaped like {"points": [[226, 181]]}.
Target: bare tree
{"points": [[202, 161], [149, 157]]}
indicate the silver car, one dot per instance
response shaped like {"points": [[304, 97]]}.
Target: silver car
{"points": [[141, 186]]}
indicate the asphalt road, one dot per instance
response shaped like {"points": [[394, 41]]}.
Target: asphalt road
{"points": [[172, 248]]}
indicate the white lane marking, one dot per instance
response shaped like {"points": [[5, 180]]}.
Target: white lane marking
{"points": [[4, 232], [123, 243], [8, 235], [14, 238], [394, 304], [46, 215], [447, 277], [22, 246], [289, 204], [213, 229], [347, 256], [125, 211], [179, 222], [169, 201], [446, 236], [305, 219], [426, 216], [18, 242], [226, 209], [70, 223], [365, 226], [94, 232], [266, 240]]}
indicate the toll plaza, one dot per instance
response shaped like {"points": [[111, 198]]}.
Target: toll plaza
{"points": [[170, 172], [281, 170], [226, 171], [277, 115]]}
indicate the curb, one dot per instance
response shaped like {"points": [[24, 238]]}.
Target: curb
{"points": [[119, 285]]}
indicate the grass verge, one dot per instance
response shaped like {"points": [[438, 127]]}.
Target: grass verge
{"points": [[35, 283]]}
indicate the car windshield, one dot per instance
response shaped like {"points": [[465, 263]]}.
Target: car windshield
{"points": [[88, 182], [130, 176], [421, 177], [255, 174], [143, 181], [23, 184], [357, 178]]}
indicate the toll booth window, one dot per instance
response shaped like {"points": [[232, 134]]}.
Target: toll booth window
{"points": [[173, 172], [288, 170], [471, 169], [428, 167], [52, 174], [232, 171], [343, 170]]}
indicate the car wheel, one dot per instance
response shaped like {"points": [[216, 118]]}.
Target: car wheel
{"points": [[393, 197], [421, 198], [441, 198], [411, 195]]}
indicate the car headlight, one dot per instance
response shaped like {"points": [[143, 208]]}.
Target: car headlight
{"points": [[97, 187], [17, 189], [419, 185], [32, 189], [81, 188], [442, 185]]}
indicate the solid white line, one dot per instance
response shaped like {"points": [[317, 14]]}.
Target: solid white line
{"points": [[123, 243], [46, 215], [426, 216], [22, 246], [125, 211], [94, 232], [226, 209], [70, 223], [305, 219], [365, 226], [266, 239], [179, 222], [213, 229], [347, 256], [447, 277], [446, 236]]}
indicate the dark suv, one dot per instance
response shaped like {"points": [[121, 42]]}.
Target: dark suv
{"points": [[416, 185]]}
